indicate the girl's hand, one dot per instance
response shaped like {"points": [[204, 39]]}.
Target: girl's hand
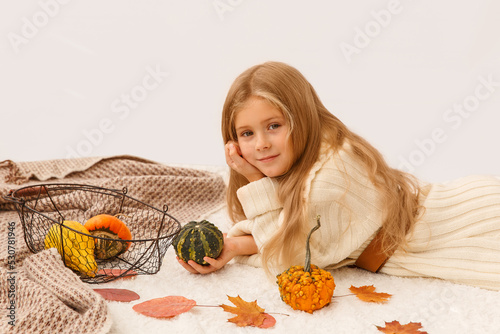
{"points": [[214, 264], [240, 164], [243, 245]]}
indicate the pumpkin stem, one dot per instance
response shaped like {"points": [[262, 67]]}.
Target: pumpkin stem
{"points": [[121, 214], [307, 267]]}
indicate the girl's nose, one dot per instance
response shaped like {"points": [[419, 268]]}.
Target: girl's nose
{"points": [[263, 143]]}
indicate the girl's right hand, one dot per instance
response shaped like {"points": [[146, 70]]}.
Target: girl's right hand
{"points": [[235, 160], [240, 245]]}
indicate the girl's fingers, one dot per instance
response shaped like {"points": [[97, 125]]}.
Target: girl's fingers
{"points": [[187, 266], [233, 159], [232, 151], [239, 164], [196, 268], [227, 150], [213, 262], [201, 269]]}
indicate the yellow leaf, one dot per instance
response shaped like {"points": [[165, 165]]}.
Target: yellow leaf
{"points": [[248, 314]]}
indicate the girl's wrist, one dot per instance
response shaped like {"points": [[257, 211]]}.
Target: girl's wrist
{"points": [[241, 245], [256, 177]]}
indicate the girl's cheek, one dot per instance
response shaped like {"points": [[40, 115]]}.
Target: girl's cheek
{"points": [[245, 154]]}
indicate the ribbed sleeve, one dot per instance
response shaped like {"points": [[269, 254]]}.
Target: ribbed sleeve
{"points": [[259, 197], [261, 206]]}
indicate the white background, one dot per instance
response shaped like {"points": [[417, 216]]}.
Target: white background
{"points": [[391, 70]]}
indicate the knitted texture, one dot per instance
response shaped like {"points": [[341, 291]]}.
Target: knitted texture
{"points": [[50, 298], [187, 192]]}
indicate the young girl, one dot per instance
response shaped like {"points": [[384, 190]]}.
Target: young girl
{"points": [[292, 160]]}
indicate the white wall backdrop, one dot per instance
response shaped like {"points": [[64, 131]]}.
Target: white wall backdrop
{"points": [[419, 79]]}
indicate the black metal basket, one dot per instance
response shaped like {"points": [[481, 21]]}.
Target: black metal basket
{"points": [[42, 206]]}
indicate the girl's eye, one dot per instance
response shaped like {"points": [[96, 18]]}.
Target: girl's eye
{"points": [[274, 126], [246, 133]]}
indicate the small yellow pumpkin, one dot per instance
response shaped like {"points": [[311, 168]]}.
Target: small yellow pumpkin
{"points": [[76, 245], [307, 288]]}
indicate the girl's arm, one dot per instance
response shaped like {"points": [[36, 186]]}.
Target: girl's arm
{"points": [[233, 246], [237, 245]]}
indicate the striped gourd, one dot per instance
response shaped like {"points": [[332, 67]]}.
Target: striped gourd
{"points": [[197, 240]]}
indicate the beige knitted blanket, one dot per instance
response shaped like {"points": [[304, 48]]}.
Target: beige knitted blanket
{"points": [[38, 294]]}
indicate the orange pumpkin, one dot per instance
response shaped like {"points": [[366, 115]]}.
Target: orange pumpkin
{"points": [[307, 288], [113, 230]]}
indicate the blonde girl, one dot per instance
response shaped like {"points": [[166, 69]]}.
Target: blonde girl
{"points": [[291, 160]]}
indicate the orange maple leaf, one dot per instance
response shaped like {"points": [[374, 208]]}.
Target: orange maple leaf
{"points": [[396, 328], [248, 314], [368, 294]]}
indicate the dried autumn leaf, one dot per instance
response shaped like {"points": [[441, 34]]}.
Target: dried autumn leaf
{"points": [[248, 314], [118, 295], [268, 322], [166, 307], [368, 294], [128, 274], [396, 328]]}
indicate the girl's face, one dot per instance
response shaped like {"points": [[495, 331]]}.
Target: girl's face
{"points": [[263, 137]]}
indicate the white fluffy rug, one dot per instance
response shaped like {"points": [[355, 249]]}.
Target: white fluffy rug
{"points": [[441, 307]]}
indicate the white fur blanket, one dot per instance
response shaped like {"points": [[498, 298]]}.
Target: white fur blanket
{"points": [[441, 307]]}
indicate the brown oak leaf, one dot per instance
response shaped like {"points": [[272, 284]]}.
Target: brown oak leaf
{"points": [[396, 328], [368, 294], [248, 313], [166, 307]]}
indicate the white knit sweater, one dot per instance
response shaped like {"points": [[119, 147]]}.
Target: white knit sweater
{"points": [[457, 238]]}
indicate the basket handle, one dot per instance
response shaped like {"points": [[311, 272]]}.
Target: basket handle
{"points": [[29, 191]]}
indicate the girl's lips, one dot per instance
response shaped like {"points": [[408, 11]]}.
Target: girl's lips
{"points": [[269, 158]]}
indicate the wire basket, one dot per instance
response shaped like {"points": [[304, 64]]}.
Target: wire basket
{"points": [[46, 206]]}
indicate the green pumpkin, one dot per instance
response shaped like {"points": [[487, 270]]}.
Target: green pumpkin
{"points": [[197, 240]]}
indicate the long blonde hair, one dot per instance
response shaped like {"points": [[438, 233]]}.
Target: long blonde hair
{"points": [[311, 124]]}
